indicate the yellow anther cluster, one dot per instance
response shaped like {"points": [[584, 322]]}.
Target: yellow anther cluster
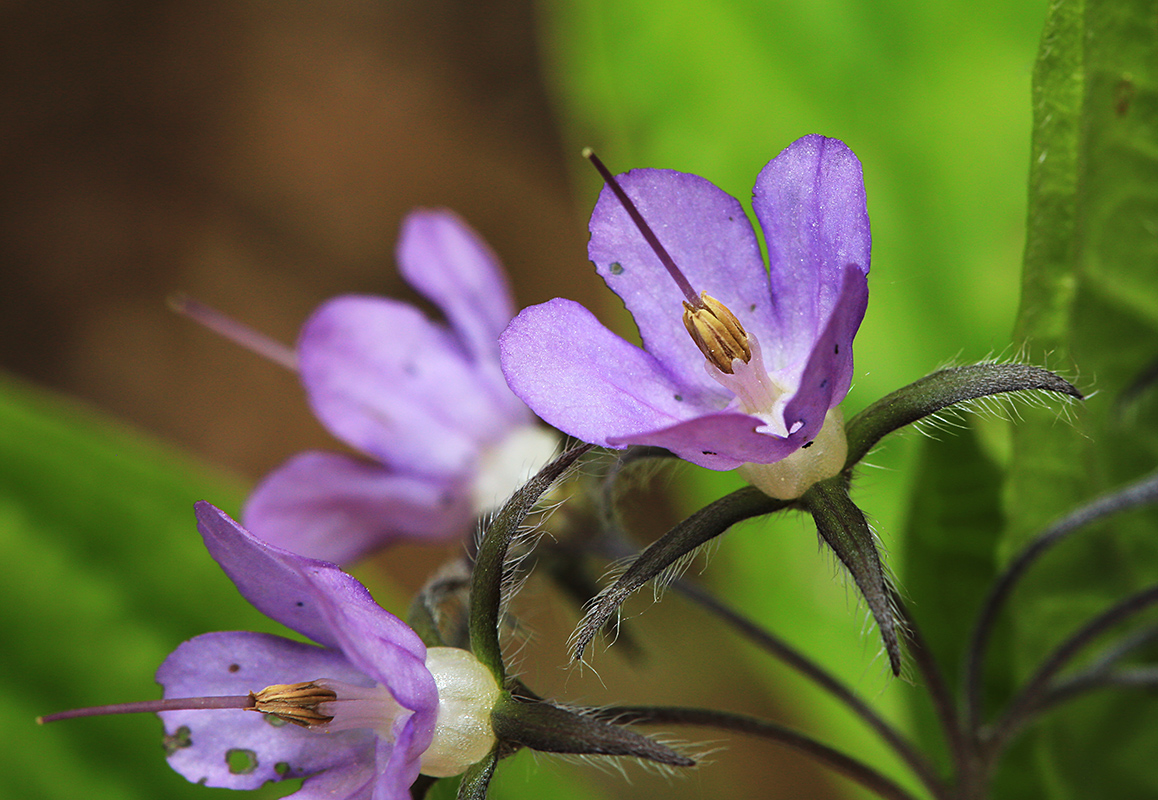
{"points": [[717, 332], [295, 702]]}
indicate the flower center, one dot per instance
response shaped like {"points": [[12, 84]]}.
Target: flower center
{"points": [[509, 464]]}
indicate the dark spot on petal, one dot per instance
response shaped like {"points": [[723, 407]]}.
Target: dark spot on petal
{"points": [[241, 762], [731, 219], [177, 740], [824, 383], [234, 667], [281, 767], [616, 268], [708, 453], [277, 722], [836, 349], [752, 307], [679, 398], [806, 445], [300, 604]]}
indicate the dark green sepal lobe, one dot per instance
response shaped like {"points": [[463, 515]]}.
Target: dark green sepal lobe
{"points": [[844, 527], [941, 390], [701, 527], [486, 588], [547, 728], [477, 780]]}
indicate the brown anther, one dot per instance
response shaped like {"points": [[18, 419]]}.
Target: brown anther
{"points": [[295, 702], [717, 332]]}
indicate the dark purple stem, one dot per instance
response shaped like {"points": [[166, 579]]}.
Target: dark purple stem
{"points": [[151, 706], [645, 229]]}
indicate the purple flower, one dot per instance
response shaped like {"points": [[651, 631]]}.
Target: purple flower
{"points": [[755, 405], [427, 404], [387, 722]]}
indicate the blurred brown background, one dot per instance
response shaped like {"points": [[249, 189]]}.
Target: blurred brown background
{"points": [[260, 156]]}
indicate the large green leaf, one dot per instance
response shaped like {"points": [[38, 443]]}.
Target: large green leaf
{"points": [[106, 575], [1090, 304]]}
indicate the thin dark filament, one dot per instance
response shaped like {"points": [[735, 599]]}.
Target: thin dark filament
{"points": [[846, 765], [823, 679], [1030, 698], [236, 332], [1145, 491], [645, 229], [151, 706]]}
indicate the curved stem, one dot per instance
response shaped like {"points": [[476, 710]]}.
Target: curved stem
{"points": [[1029, 699], [846, 765], [809, 669], [1140, 493]]}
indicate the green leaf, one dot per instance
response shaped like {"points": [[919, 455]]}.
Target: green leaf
{"points": [[106, 575], [955, 523], [1090, 301]]}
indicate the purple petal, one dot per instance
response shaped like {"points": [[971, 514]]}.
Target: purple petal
{"points": [[442, 257], [720, 441], [383, 647], [810, 200], [398, 765], [707, 233], [237, 663], [826, 377], [268, 577], [588, 382], [336, 508], [388, 381]]}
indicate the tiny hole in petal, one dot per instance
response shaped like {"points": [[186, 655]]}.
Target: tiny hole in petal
{"points": [[708, 453], [300, 604], [177, 740], [836, 349], [806, 445], [234, 667], [616, 268], [752, 307], [277, 722], [679, 398], [241, 762], [281, 767]]}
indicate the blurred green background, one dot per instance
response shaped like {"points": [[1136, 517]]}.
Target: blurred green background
{"points": [[260, 156]]}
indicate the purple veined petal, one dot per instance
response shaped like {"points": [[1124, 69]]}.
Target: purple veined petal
{"points": [[827, 375], [236, 663], [337, 508], [810, 201], [373, 639], [268, 577], [346, 784], [589, 383], [398, 763], [719, 441], [391, 383], [445, 260], [707, 233]]}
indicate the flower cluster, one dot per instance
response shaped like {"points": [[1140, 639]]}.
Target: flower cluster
{"points": [[743, 366]]}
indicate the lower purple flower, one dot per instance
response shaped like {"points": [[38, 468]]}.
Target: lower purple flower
{"points": [[390, 708]]}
